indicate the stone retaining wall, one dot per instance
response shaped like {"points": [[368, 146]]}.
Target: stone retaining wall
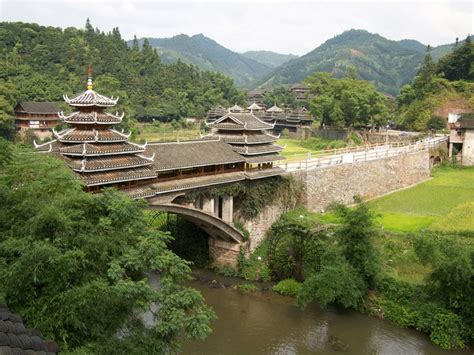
{"points": [[369, 179]]}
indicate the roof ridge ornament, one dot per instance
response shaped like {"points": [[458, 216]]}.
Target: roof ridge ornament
{"points": [[152, 158], [89, 78], [83, 164], [84, 150]]}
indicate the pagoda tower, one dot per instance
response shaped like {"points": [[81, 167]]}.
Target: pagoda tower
{"points": [[248, 136], [94, 150]]}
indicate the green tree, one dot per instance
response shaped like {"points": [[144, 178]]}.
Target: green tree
{"points": [[76, 265], [459, 64]]}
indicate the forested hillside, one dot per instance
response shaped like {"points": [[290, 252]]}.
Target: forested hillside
{"points": [[43, 63], [272, 59], [450, 80], [207, 54], [389, 64]]}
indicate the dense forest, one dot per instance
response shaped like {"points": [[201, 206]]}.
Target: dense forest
{"points": [[449, 79], [388, 64], [207, 54], [43, 63]]}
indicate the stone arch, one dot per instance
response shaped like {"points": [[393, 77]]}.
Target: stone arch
{"points": [[214, 226]]}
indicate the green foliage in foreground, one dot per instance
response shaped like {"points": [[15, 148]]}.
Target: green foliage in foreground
{"points": [[75, 265], [351, 265], [288, 287]]}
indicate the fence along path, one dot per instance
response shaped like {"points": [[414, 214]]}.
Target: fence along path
{"points": [[358, 154]]}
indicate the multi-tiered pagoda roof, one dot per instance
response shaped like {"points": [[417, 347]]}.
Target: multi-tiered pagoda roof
{"points": [[247, 134], [91, 147]]}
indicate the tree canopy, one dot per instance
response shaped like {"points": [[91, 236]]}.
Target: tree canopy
{"points": [[346, 102], [76, 265], [42, 63]]}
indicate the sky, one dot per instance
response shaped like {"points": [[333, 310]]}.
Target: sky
{"points": [[277, 25]]}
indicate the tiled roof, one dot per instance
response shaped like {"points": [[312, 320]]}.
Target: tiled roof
{"points": [[201, 181], [247, 121], [466, 123], [275, 109], [170, 156], [73, 135], [16, 339], [109, 177], [91, 98], [139, 191], [94, 117], [107, 163], [247, 139], [90, 149], [257, 149], [265, 158], [37, 107], [263, 173]]}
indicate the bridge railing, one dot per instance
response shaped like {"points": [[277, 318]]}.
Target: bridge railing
{"points": [[358, 154]]}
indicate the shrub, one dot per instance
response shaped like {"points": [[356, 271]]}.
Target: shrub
{"points": [[240, 226], [247, 288], [288, 287], [226, 270]]}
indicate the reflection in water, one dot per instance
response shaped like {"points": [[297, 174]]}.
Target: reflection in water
{"points": [[267, 323]]}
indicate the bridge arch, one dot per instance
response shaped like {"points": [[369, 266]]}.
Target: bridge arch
{"points": [[212, 225]]}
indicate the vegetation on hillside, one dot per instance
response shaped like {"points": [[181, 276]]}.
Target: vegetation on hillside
{"points": [[346, 102], [269, 58], [352, 264], [42, 63], [207, 54], [75, 265], [435, 83], [388, 64]]}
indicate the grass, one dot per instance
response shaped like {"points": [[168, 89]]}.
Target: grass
{"points": [[444, 203]]}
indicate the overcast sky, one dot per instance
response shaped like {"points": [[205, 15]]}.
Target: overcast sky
{"points": [[282, 26]]}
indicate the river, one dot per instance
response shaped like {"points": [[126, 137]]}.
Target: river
{"points": [[264, 322]]}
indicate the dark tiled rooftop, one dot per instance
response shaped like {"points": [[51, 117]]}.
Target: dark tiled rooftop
{"points": [[170, 156], [16, 339]]}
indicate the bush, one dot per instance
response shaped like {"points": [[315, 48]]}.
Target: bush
{"points": [[226, 270], [315, 143], [247, 288], [288, 287]]}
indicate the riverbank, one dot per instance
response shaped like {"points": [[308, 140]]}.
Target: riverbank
{"points": [[264, 322]]}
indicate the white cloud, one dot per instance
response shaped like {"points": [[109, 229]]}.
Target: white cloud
{"points": [[278, 25]]}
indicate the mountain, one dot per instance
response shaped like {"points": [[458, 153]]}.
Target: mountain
{"points": [[269, 58], [209, 55], [389, 64]]}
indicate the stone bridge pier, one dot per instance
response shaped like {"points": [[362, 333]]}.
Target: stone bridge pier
{"points": [[214, 216]]}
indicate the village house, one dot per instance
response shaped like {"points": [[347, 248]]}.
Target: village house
{"points": [[41, 117], [461, 138]]}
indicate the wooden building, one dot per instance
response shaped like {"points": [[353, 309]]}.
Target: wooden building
{"points": [[292, 121], [215, 113], [41, 117], [248, 135], [103, 156], [255, 96], [300, 91], [461, 138]]}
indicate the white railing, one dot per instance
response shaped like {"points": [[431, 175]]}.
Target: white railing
{"points": [[354, 155]]}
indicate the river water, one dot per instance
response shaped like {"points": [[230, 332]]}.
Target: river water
{"points": [[267, 323]]}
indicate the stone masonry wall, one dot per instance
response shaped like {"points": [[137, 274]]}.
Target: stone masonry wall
{"points": [[259, 225], [340, 183]]}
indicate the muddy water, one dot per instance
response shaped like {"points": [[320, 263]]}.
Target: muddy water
{"points": [[267, 323]]}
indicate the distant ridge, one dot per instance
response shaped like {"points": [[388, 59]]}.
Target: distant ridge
{"points": [[389, 64], [207, 54]]}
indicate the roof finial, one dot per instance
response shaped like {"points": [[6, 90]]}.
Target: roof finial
{"points": [[89, 79]]}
